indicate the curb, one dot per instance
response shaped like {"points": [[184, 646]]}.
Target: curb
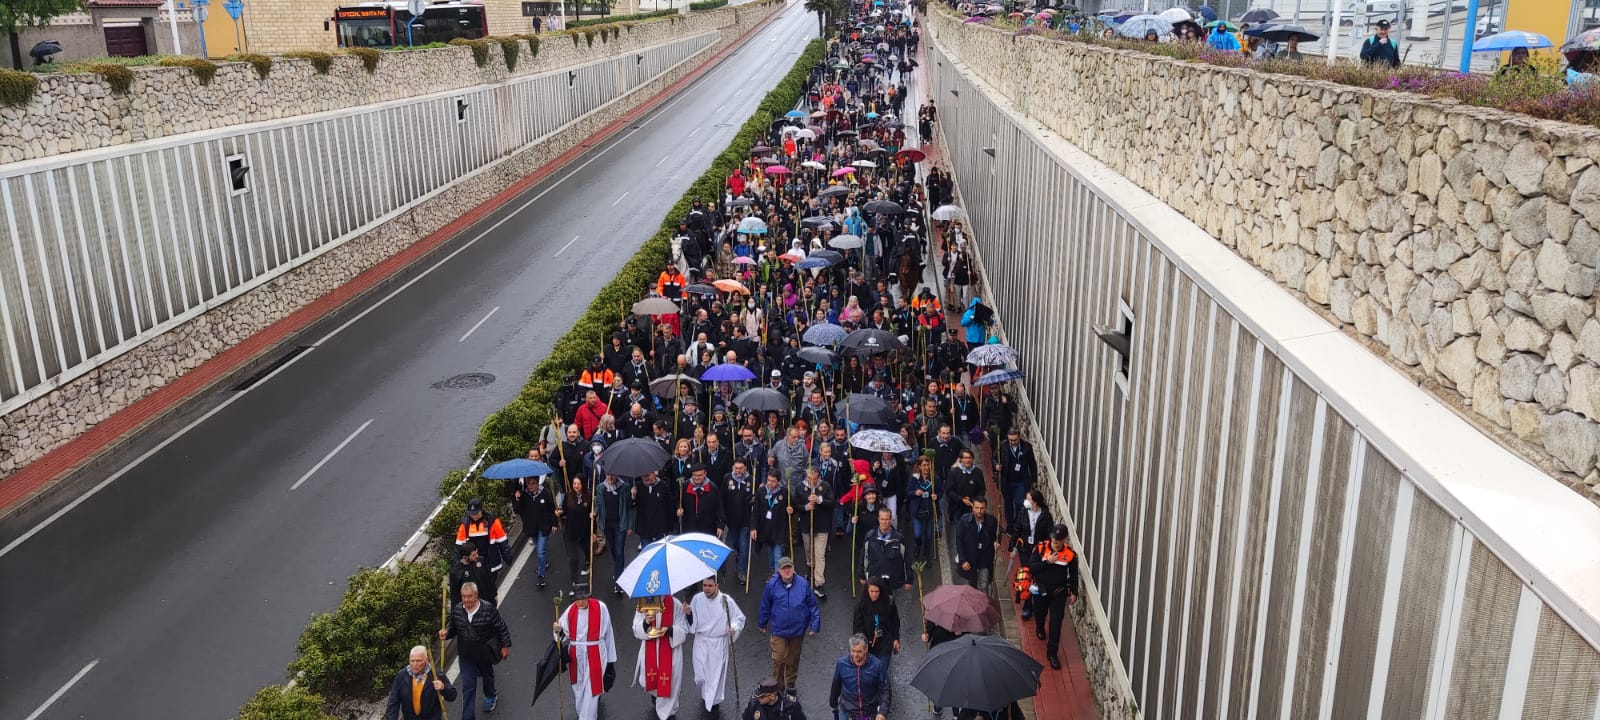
{"points": [[36, 480]]}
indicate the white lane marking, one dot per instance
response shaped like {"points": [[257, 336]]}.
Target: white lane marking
{"points": [[64, 688], [329, 456], [569, 244], [479, 324], [619, 199], [69, 507], [663, 159], [694, 132], [719, 109]]}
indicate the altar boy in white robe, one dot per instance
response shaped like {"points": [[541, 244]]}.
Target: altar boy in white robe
{"points": [[585, 628], [660, 668], [716, 622]]}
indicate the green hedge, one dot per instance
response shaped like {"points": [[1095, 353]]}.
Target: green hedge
{"points": [[619, 18], [277, 702], [707, 5], [355, 650]]}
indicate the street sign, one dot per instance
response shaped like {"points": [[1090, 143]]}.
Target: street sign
{"points": [[201, 13], [235, 8], [417, 7]]}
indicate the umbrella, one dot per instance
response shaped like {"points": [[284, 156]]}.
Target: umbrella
{"points": [[743, 260], [846, 242], [864, 409], [847, 133], [700, 289], [762, 400], [814, 165], [871, 341], [883, 207], [672, 564], [740, 202], [1208, 13], [1227, 26], [752, 226], [864, 164], [1259, 15], [655, 306], [879, 441], [548, 668], [1510, 40], [818, 114], [793, 256], [769, 160], [1175, 15], [841, 172], [998, 376], [806, 134], [977, 671], [794, 114], [667, 385], [733, 286], [960, 608], [513, 469], [993, 355], [818, 221], [727, 372], [1282, 33], [1586, 41], [946, 213], [1139, 25], [835, 190], [757, 150], [824, 334], [777, 170], [633, 457], [812, 264], [832, 257], [911, 155], [820, 356], [870, 145]]}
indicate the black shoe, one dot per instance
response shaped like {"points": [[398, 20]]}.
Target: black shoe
{"points": [[1055, 663], [1027, 614], [820, 593], [542, 583], [1039, 634]]}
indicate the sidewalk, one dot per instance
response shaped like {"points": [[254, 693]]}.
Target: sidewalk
{"points": [[1066, 692]]}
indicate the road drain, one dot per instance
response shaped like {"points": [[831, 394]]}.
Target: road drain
{"points": [[467, 381]]}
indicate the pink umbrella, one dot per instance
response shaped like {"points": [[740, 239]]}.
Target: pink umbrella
{"points": [[777, 170], [742, 260], [841, 172]]}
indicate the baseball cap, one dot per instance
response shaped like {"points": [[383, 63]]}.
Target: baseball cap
{"points": [[1384, 24], [1059, 533], [777, 373], [768, 686], [785, 562], [475, 505]]}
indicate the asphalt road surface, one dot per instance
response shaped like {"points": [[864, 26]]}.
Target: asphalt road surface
{"points": [[179, 589]]}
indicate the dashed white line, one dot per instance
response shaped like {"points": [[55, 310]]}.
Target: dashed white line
{"points": [[329, 456], [619, 199], [479, 324], [569, 244], [663, 159], [694, 132], [64, 688]]}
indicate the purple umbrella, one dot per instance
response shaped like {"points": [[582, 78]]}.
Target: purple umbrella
{"points": [[727, 372]]}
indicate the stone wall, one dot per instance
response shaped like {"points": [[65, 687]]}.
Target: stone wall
{"points": [[33, 430], [1461, 243], [79, 112]]}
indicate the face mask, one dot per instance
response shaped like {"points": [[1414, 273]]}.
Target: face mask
{"points": [[597, 447], [1027, 504]]}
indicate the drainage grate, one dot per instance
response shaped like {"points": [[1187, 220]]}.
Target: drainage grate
{"points": [[467, 381], [270, 368]]}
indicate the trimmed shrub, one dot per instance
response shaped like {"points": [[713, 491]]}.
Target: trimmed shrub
{"points": [[509, 48], [17, 88], [480, 50], [533, 46], [261, 63], [278, 702], [369, 58], [320, 61], [119, 77], [572, 24], [353, 651], [707, 5], [203, 69], [588, 37]]}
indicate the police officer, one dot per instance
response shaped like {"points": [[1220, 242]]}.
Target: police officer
{"points": [[1055, 580]]}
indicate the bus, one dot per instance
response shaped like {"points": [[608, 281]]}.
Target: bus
{"points": [[383, 24]]}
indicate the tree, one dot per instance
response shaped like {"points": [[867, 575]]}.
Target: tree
{"points": [[825, 10], [19, 15]]}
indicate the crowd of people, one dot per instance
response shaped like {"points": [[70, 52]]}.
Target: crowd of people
{"points": [[806, 281]]}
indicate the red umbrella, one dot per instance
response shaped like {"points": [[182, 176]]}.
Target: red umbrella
{"points": [[961, 608], [910, 154]]}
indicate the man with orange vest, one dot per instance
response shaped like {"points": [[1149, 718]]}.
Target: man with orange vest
{"points": [[1055, 585], [597, 377], [483, 530], [670, 283]]}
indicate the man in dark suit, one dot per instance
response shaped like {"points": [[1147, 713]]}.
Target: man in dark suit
{"points": [[1017, 469], [975, 535], [416, 691]]}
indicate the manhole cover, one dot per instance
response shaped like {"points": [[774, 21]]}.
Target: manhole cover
{"points": [[467, 381]]}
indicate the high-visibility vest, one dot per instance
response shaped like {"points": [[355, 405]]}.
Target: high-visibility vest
{"points": [[1020, 586]]}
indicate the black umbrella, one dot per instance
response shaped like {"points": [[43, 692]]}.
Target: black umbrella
{"points": [[761, 400], [832, 257], [667, 385], [741, 202], [633, 457], [1283, 33], [863, 409], [833, 191], [548, 668], [846, 133], [1259, 15], [817, 222], [700, 289], [883, 207], [977, 671], [870, 341], [820, 356]]}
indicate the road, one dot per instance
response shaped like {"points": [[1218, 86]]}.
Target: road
{"points": [[184, 583]]}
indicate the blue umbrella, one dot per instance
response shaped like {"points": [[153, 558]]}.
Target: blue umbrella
{"points": [[1136, 27], [727, 372], [824, 334], [1511, 40], [794, 114], [812, 263], [872, 116], [672, 564], [520, 468], [998, 376], [1207, 12]]}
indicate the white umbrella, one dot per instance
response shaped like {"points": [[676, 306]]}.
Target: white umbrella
{"points": [[751, 225], [672, 564], [946, 213], [879, 441], [814, 165], [845, 242], [806, 134], [864, 164], [1176, 15]]}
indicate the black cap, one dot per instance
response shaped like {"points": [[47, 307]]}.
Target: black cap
{"points": [[596, 360], [769, 686], [580, 590], [1060, 532], [697, 467], [474, 505], [1384, 24]]}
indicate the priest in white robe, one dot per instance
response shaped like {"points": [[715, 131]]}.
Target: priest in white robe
{"points": [[716, 622], [591, 649], [660, 669]]}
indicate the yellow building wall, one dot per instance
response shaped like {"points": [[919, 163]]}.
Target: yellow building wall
{"points": [[224, 37], [1546, 17]]}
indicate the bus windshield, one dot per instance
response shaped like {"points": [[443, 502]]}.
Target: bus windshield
{"points": [[384, 26], [366, 32]]}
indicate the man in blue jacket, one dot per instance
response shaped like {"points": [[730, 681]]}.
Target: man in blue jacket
{"points": [[861, 689], [788, 614]]}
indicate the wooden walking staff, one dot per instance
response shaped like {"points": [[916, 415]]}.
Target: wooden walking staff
{"points": [[444, 624], [561, 699]]}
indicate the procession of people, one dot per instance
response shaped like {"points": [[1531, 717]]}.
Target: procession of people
{"points": [[811, 397]]}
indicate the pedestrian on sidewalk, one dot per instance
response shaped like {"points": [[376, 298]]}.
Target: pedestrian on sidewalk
{"points": [[1030, 533], [418, 692], [814, 520], [975, 537], [789, 613], [771, 520], [1017, 469], [1055, 574], [483, 641]]}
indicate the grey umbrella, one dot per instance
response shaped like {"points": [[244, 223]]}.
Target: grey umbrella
{"points": [[870, 341], [633, 457], [820, 356], [666, 386], [832, 257], [883, 207], [863, 409], [762, 400], [977, 671], [824, 334]]}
